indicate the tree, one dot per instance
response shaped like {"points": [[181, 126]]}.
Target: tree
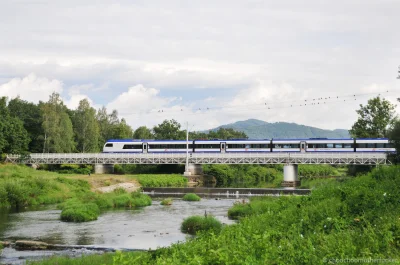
{"points": [[86, 128], [14, 138], [169, 130], [394, 137], [143, 133], [57, 126], [29, 113], [227, 133], [374, 120], [122, 130]]}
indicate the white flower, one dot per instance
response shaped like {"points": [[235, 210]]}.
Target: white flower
{"points": [[384, 194], [301, 235], [329, 219]]}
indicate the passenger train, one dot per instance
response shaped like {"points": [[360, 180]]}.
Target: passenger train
{"points": [[251, 146]]}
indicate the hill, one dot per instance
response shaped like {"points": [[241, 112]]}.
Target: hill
{"points": [[257, 129]]}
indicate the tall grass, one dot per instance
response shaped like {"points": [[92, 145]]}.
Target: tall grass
{"points": [[191, 197], [105, 259], [161, 180], [354, 218], [194, 224]]}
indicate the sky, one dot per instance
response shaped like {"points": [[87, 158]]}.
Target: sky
{"points": [[205, 63]]}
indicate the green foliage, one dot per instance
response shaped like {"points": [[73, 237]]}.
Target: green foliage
{"points": [[75, 211], [23, 186], [244, 175], [312, 171], [14, 138], [160, 180], [194, 224], [29, 113], [357, 217], [169, 130], [143, 133], [86, 128], [375, 119], [103, 259], [166, 201], [394, 137], [191, 197], [57, 126]]}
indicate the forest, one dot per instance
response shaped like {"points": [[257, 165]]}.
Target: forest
{"points": [[50, 127]]}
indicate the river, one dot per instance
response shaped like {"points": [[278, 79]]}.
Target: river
{"points": [[146, 228]]}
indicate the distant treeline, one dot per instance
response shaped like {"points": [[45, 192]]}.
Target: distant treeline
{"points": [[50, 127]]}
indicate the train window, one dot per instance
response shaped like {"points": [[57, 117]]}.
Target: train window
{"points": [[380, 145], [388, 145], [371, 145], [361, 145], [321, 145], [338, 145], [132, 146], [329, 145], [347, 146], [109, 145], [207, 146]]}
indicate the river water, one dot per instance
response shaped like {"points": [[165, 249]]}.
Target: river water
{"points": [[146, 228]]}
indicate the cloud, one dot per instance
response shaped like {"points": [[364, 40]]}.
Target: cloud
{"points": [[31, 88]]}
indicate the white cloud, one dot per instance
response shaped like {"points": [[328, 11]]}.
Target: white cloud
{"points": [[31, 88]]}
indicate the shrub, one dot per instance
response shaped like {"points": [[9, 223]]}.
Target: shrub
{"points": [[194, 224], [161, 180], [167, 201], [140, 199], [79, 212], [191, 197], [123, 200]]}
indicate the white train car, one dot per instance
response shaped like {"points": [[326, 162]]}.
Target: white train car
{"points": [[123, 146], [232, 146], [209, 146], [288, 145], [374, 145], [169, 146], [330, 145]]}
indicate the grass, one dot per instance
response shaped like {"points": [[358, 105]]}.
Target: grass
{"points": [[161, 180], [193, 224], [167, 201], [105, 259], [357, 217], [191, 197]]}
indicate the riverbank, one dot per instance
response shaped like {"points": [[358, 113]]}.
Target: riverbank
{"points": [[355, 218]]}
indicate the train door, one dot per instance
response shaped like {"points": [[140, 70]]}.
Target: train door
{"points": [[223, 147], [303, 147], [145, 145]]}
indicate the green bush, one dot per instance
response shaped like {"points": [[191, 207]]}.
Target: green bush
{"points": [[140, 199], [167, 201], [79, 212], [104, 259], [191, 197], [194, 224]]}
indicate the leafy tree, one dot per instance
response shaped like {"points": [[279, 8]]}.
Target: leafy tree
{"points": [[169, 130], [57, 126], [143, 133], [394, 136], [86, 128], [13, 136], [29, 113], [122, 130], [375, 119], [227, 133]]}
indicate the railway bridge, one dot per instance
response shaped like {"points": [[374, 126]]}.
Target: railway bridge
{"points": [[104, 162]]}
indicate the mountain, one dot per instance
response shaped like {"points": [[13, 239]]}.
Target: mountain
{"points": [[257, 129]]}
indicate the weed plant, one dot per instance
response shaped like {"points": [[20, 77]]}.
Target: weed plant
{"points": [[167, 201], [193, 224], [105, 259], [191, 197]]}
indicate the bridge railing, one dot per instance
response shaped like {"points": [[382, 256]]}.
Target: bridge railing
{"points": [[201, 158]]}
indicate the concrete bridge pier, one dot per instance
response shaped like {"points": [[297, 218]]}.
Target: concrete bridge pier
{"points": [[193, 169], [290, 176], [104, 168]]}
